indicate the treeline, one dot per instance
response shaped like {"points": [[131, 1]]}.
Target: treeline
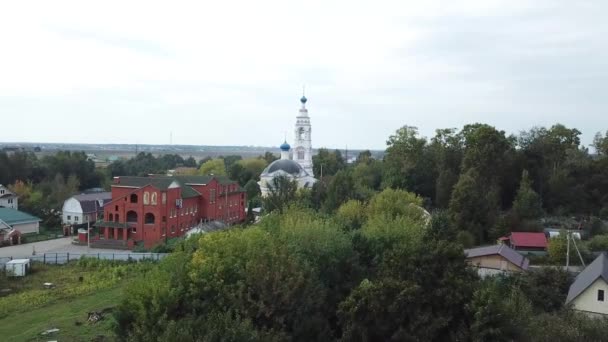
{"points": [[380, 271], [489, 182], [43, 184]]}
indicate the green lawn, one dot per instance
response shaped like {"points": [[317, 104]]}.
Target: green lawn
{"points": [[79, 287], [64, 315]]}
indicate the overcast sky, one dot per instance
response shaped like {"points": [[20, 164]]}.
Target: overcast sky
{"points": [[231, 72]]}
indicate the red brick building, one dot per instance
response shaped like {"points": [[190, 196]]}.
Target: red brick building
{"points": [[150, 210]]}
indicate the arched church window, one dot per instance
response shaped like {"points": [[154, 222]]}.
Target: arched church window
{"points": [[146, 198], [302, 133], [300, 154], [153, 198]]}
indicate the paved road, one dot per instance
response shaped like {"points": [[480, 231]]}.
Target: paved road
{"points": [[62, 245]]}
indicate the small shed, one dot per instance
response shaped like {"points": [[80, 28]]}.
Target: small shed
{"points": [[18, 267]]}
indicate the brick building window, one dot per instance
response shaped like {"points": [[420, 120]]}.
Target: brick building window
{"points": [[132, 217], [149, 218], [212, 196], [133, 198]]}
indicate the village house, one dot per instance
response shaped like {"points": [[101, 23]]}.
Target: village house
{"points": [[491, 260], [526, 242], [83, 208], [149, 210], [8, 199], [588, 291], [13, 223]]}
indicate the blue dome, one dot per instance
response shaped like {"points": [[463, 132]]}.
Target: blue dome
{"points": [[303, 99], [285, 147]]}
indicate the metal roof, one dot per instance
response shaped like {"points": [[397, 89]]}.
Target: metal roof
{"points": [[502, 250], [12, 216], [286, 165], [90, 202], [598, 268], [528, 239]]}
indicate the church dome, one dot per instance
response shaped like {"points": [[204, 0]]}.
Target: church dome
{"points": [[286, 165], [285, 147], [303, 99]]}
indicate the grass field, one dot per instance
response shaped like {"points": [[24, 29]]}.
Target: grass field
{"points": [[64, 315], [79, 287]]}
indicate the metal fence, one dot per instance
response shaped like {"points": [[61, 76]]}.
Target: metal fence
{"points": [[64, 258]]}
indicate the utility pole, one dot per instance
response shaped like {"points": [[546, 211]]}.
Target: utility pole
{"points": [[567, 249]]}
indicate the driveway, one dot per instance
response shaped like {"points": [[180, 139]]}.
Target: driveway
{"points": [[62, 245]]}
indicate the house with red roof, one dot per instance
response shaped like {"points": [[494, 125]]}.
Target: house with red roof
{"points": [[526, 241]]}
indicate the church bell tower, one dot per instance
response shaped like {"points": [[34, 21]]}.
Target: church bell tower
{"points": [[302, 147]]}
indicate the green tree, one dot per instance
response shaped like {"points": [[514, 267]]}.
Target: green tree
{"points": [[352, 214], [408, 163], [341, 188], [420, 295], [474, 205], [600, 144], [329, 162], [497, 317], [396, 203], [546, 288], [213, 167], [527, 203], [281, 192], [253, 189]]}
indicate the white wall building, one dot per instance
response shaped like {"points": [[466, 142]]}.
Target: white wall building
{"points": [[8, 199], [302, 146], [84, 208], [589, 291], [298, 168], [285, 167]]}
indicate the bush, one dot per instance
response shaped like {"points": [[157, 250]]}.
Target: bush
{"points": [[598, 243]]}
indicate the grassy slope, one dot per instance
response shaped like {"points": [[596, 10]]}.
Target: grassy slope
{"points": [[79, 288], [63, 315]]}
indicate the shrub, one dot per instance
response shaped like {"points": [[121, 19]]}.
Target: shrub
{"points": [[598, 243]]}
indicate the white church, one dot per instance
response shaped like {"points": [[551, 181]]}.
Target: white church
{"points": [[298, 168]]}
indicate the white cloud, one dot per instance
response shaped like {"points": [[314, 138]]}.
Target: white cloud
{"points": [[238, 66]]}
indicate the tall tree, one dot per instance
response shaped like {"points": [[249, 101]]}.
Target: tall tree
{"points": [[404, 160], [281, 192], [474, 205], [330, 162], [527, 203]]}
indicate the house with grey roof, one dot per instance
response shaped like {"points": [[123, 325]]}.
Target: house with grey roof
{"points": [[83, 208], [588, 291], [497, 259]]}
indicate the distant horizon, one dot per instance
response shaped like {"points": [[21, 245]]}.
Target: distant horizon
{"points": [[13, 143], [215, 76]]}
